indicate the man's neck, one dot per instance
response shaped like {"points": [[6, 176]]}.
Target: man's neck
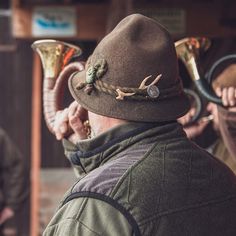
{"points": [[100, 124]]}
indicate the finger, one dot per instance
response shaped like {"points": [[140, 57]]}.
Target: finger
{"points": [[59, 136], [231, 97], [225, 97], [76, 123], [59, 132], [77, 111], [218, 92], [61, 123], [195, 130], [185, 120], [192, 112], [82, 113], [61, 116], [72, 109], [63, 128], [78, 127], [182, 120], [77, 115]]}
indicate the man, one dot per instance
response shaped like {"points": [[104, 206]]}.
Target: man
{"points": [[225, 86], [139, 174], [12, 180], [223, 119]]}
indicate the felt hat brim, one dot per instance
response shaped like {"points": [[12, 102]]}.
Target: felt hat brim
{"points": [[142, 111]]}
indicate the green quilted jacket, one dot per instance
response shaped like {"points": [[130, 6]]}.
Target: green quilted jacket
{"points": [[146, 179]]}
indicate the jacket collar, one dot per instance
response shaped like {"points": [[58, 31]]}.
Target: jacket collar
{"points": [[90, 153]]}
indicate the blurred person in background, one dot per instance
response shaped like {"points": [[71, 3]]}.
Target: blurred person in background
{"points": [[225, 86], [13, 188], [223, 119]]}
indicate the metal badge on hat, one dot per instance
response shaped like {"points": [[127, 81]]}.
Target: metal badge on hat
{"points": [[152, 90]]}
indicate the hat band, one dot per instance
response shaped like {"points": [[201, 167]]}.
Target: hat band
{"points": [[146, 93], [151, 93]]}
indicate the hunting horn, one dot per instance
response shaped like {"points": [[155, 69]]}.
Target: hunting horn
{"points": [[55, 57], [188, 51], [196, 102]]}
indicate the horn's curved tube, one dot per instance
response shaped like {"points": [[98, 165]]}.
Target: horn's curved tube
{"points": [[53, 92], [198, 105], [212, 70]]}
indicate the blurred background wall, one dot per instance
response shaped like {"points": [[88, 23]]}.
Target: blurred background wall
{"points": [[93, 19]]}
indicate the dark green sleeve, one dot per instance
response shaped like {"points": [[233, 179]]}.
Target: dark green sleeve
{"points": [[14, 175], [88, 217]]}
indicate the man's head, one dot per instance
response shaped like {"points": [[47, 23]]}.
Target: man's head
{"points": [[132, 75]]}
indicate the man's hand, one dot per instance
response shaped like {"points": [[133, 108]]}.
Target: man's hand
{"points": [[195, 129], [71, 120], [228, 96], [186, 119], [6, 214]]}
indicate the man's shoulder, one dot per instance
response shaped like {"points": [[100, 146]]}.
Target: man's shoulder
{"points": [[176, 173]]}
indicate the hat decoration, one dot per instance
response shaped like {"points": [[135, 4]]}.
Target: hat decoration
{"points": [[96, 71], [141, 87], [92, 74]]}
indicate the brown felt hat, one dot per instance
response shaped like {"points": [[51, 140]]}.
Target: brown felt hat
{"points": [[132, 74]]}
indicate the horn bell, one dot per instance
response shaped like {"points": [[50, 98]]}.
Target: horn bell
{"points": [[188, 51], [55, 57]]}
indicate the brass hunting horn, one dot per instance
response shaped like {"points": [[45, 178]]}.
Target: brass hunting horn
{"points": [[188, 51], [55, 57]]}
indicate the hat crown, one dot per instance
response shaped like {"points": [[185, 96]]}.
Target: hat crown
{"points": [[136, 48]]}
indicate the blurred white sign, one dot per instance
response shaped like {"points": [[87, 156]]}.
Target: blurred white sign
{"points": [[54, 21]]}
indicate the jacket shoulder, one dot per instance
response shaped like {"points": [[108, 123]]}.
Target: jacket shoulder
{"points": [[89, 215]]}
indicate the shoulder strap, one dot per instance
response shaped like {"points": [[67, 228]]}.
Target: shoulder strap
{"points": [[111, 202]]}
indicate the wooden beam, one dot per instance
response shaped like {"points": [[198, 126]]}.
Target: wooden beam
{"points": [[35, 145]]}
